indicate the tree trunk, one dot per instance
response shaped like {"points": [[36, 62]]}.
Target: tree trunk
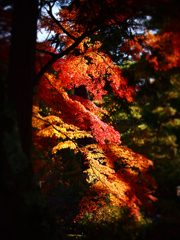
{"points": [[22, 66], [23, 213]]}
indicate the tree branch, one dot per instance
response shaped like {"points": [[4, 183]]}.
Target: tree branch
{"points": [[54, 175], [59, 25], [64, 53]]}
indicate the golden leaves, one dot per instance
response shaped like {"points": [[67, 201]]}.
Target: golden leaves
{"points": [[129, 157], [64, 145], [53, 127], [121, 173], [115, 171]]}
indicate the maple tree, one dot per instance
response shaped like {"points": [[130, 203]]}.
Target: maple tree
{"points": [[70, 117]]}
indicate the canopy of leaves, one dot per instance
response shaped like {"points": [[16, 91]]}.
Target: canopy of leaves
{"points": [[115, 173]]}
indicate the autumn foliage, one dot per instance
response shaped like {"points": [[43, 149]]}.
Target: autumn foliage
{"points": [[115, 172], [105, 48], [119, 172], [162, 50]]}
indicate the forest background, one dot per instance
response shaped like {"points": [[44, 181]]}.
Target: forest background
{"points": [[106, 68]]}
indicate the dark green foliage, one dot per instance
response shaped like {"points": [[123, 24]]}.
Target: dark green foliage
{"points": [[150, 126]]}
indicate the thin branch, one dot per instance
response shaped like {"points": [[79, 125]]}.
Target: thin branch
{"points": [[57, 173], [58, 130], [59, 25], [65, 52]]}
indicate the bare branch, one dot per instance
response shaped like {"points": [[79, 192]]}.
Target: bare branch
{"points": [[60, 26]]}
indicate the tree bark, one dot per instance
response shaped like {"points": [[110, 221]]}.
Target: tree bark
{"points": [[22, 66], [24, 213]]}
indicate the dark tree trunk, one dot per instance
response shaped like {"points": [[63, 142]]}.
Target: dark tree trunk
{"points": [[22, 66], [23, 212]]}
